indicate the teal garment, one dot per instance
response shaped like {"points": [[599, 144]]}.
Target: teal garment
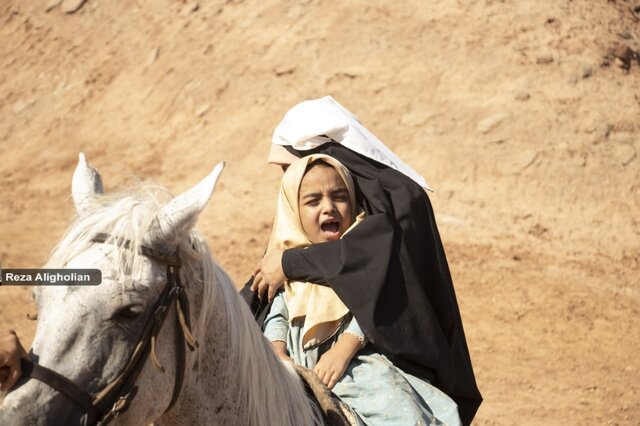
{"points": [[377, 391]]}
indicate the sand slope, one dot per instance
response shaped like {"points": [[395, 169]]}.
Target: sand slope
{"points": [[523, 115]]}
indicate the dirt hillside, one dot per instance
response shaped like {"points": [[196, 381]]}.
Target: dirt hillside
{"points": [[523, 115]]}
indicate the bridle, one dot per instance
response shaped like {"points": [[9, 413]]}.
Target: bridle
{"points": [[115, 398]]}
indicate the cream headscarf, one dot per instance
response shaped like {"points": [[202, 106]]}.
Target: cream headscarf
{"points": [[320, 306]]}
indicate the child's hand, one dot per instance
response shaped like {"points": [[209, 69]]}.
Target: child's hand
{"points": [[333, 363], [331, 367]]}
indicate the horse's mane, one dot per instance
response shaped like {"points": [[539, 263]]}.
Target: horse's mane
{"points": [[268, 395], [257, 366]]}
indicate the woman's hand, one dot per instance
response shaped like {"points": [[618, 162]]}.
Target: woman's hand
{"points": [[333, 363], [10, 353], [268, 275]]}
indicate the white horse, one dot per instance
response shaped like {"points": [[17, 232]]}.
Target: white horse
{"points": [[89, 333]]}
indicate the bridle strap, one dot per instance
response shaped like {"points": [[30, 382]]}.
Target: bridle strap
{"points": [[180, 360], [172, 291], [61, 384]]}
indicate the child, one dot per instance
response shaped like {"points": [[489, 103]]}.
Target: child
{"points": [[309, 325]]}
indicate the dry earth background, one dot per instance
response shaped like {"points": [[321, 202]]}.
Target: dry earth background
{"points": [[524, 115]]}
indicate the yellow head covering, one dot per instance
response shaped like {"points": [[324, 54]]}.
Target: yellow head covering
{"points": [[320, 306]]}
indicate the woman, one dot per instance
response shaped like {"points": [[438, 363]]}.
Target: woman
{"points": [[391, 271]]}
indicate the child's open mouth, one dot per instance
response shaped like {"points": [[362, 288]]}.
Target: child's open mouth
{"points": [[331, 230]]}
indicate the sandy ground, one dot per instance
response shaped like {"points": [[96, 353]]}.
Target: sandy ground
{"points": [[524, 115]]}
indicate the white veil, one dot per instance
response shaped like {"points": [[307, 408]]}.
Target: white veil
{"points": [[315, 122]]}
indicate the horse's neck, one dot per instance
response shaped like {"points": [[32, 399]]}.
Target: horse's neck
{"points": [[239, 378]]}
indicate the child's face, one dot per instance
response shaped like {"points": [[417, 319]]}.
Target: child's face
{"points": [[325, 209]]}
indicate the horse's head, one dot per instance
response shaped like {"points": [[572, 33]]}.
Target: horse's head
{"points": [[89, 334]]}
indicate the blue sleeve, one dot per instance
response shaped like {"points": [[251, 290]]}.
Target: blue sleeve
{"points": [[354, 329], [276, 324]]}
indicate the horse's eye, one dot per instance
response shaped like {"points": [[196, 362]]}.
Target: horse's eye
{"points": [[128, 312]]}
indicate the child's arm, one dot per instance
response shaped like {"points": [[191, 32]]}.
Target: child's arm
{"points": [[280, 348], [333, 363], [276, 327]]}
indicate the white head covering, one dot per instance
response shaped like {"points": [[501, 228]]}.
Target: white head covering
{"points": [[315, 122]]}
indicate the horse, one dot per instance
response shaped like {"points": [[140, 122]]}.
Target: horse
{"points": [[156, 269]]}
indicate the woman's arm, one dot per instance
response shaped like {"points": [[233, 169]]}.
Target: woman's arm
{"points": [[363, 252], [269, 275]]}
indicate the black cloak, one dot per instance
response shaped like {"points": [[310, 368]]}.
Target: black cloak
{"points": [[392, 273]]}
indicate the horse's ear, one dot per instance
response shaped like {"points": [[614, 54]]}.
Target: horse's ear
{"points": [[180, 214], [86, 185]]}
